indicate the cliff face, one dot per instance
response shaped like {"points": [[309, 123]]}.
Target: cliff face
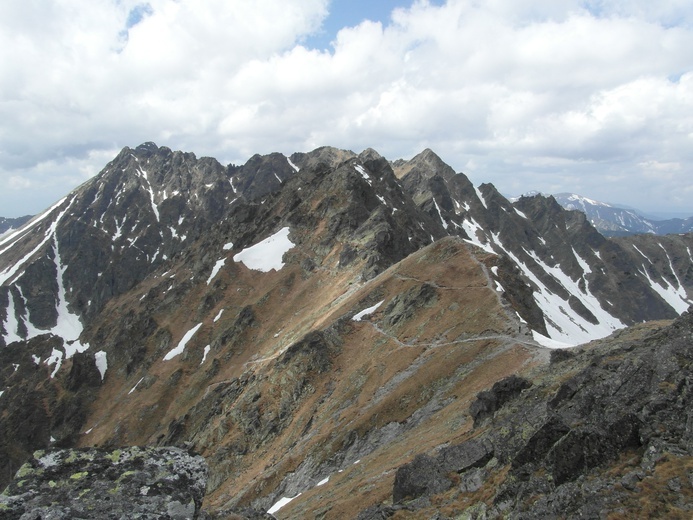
{"points": [[327, 315]]}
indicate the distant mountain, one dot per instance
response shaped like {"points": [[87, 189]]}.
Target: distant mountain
{"points": [[608, 219], [8, 224], [312, 324], [612, 220]]}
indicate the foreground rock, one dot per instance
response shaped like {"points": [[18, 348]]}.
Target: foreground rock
{"points": [[132, 483]]}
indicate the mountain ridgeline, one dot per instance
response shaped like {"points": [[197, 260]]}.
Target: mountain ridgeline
{"points": [[309, 324], [612, 220], [10, 224]]}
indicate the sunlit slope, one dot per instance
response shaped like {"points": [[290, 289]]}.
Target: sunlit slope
{"points": [[280, 378]]}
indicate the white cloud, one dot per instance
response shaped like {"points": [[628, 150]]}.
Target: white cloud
{"points": [[562, 94]]}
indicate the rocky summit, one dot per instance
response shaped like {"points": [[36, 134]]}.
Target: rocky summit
{"points": [[342, 336]]}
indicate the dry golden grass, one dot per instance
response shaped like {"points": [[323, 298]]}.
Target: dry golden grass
{"points": [[448, 351]]}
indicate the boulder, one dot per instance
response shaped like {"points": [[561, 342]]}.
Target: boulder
{"points": [[124, 484]]}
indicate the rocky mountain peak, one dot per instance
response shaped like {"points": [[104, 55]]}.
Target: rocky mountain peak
{"points": [[369, 154], [148, 148], [328, 156], [426, 164]]}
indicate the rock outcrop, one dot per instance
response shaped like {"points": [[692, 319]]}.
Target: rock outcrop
{"points": [[605, 429], [125, 484]]}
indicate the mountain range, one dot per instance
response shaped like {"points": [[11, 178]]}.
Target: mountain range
{"points": [[10, 224], [328, 323], [612, 220]]}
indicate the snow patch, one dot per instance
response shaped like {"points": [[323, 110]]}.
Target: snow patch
{"points": [[228, 246], [292, 164], [11, 323], [131, 390], [584, 200], [563, 324], [365, 312], [674, 296], [480, 196], [148, 187], [548, 342], [440, 214], [215, 269], [204, 355], [281, 503], [266, 255], [583, 264], [68, 326], [9, 240], [216, 318], [101, 362], [363, 173], [182, 343], [471, 227], [56, 358]]}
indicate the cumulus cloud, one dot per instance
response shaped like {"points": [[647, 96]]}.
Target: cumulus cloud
{"points": [[556, 95]]}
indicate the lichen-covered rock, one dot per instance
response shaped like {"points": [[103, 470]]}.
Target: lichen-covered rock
{"points": [[129, 483]]}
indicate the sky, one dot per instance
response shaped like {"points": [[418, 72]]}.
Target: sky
{"points": [[593, 97]]}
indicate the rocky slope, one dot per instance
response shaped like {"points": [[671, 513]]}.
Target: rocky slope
{"points": [[602, 431], [326, 315]]}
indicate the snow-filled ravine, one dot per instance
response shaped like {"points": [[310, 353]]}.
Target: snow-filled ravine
{"points": [[68, 325], [566, 328]]}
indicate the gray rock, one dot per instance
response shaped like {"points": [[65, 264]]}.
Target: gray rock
{"points": [[489, 401], [421, 477], [129, 483]]}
